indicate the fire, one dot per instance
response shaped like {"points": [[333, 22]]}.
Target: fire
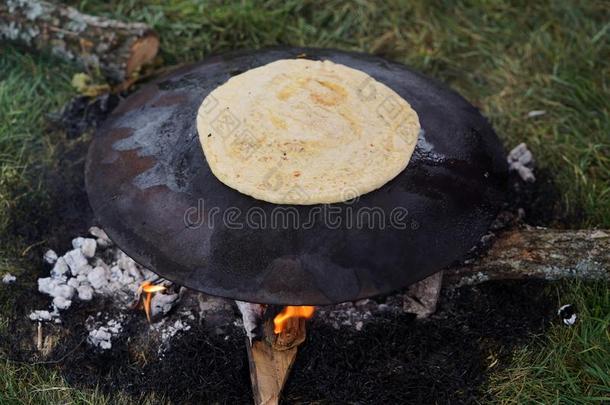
{"points": [[149, 288], [288, 312]]}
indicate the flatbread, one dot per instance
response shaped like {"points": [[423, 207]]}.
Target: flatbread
{"points": [[298, 131]]}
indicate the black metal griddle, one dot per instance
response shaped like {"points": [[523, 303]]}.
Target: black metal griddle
{"points": [[148, 182]]}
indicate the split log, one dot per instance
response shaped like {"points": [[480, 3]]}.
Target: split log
{"points": [[272, 357], [117, 48], [541, 253]]}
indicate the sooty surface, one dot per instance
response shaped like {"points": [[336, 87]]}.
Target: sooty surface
{"points": [[392, 359]]}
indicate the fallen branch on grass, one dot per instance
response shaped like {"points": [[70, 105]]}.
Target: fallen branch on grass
{"points": [[117, 48]]}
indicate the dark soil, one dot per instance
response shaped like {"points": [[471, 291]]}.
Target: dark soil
{"points": [[441, 360], [393, 359], [540, 202]]}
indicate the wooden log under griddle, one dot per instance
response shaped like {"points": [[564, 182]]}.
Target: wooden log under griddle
{"points": [[541, 253], [117, 48], [272, 357]]}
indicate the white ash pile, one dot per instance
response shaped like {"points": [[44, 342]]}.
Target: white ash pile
{"points": [[102, 333], [166, 330], [357, 314], [95, 267]]}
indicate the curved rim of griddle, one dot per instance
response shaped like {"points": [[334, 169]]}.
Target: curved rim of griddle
{"points": [[133, 243]]}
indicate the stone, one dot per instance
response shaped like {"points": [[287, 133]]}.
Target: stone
{"points": [[85, 270]]}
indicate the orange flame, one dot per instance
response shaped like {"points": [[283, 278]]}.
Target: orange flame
{"points": [[289, 312], [149, 288]]}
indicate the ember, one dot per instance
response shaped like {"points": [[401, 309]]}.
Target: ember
{"points": [[288, 312], [149, 288]]}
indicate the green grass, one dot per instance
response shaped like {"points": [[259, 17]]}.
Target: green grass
{"points": [[508, 58], [569, 365], [27, 384], [30, 88]]}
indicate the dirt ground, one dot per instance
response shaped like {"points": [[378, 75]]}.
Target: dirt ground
{"points": [[446, 358]]}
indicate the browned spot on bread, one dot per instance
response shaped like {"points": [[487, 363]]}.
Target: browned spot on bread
{"points": [[328, 93]]}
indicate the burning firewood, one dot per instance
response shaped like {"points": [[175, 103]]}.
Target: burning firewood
{"points": [[273, 350], [117, 48], [148, 289]]}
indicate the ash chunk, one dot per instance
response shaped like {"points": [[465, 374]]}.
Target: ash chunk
{"points": [[102, 336], [8, 278], [102, 239], [76, 261], [98, 277], [85, 292], [521, 160], [50, 256], [252, 315], [161, 304], [41, 315], [60, 268], [61, 303], [88, 247]]}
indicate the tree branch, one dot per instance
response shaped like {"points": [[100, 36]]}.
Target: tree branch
{"points": [[117, 48]]}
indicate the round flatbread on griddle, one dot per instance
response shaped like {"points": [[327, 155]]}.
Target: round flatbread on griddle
{"points": [[298, 131]]}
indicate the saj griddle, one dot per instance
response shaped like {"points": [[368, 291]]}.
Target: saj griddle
{"points": [[153, 192]]}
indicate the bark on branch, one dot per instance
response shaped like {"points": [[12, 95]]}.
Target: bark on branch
{"points": [[540, 253], [117, 48]]}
